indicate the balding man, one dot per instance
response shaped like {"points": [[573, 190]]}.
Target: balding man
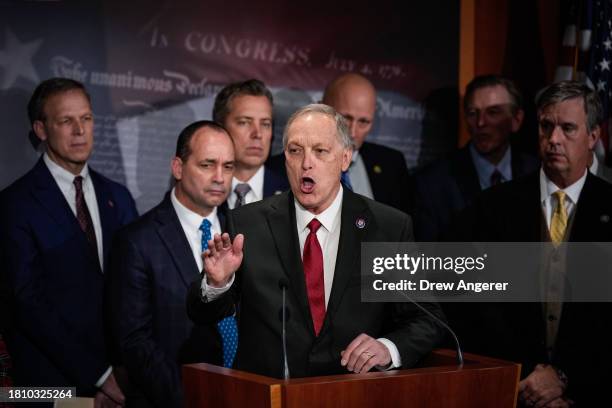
{"points": [[376, 171]]}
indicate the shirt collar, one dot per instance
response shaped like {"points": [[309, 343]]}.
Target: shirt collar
{"points": [[548, 188], [485, 168], [188, 217], [62, 176], [327, 218], [256, 183]]}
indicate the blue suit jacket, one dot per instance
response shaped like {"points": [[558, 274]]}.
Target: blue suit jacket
{"points": [[152, 268], [54, 279]]}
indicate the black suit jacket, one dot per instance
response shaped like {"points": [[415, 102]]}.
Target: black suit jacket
{"points": [[516, 331], [445, 188], [388, 175], [272, 254], [152, 270], [53, 275]]}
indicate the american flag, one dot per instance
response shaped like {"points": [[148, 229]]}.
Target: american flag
{"points": [[586, 54]]}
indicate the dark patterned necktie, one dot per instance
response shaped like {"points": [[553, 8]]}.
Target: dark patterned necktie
{"points": [[496, 178], [83, 215], [313, 269], [228, 329], [241, 191]]}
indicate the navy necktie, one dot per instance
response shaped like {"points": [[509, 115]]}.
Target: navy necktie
{"points": [[227, 327], [344, 178]]}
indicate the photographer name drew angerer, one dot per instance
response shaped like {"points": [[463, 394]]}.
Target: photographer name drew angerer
{"points": [[411, 264], [425, 285]]}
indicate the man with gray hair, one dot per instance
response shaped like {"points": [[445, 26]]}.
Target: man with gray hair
{"points": [[306, 240], [557, 343]]}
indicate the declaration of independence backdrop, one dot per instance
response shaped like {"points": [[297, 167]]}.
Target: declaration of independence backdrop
{"points": [[152, 67]]}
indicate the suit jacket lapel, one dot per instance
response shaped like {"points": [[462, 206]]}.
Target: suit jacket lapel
{"points": [[349, 244], [281, 220], [590, 214], [172, 235], [48, 194], [107, 210]]}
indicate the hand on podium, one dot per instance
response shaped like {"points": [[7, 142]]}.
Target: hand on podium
{"points": [[363, 353]]}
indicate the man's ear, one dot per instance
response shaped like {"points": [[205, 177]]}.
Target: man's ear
{"points": [[39, 130], [517, 120], [347, 156], [594, 136], [177, 168]]}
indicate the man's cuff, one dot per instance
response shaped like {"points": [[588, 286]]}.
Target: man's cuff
{"points": [[210, 293], [396, 359], [102, 379]]}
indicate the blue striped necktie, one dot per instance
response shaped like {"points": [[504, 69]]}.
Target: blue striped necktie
{"points": [[227, 327]]}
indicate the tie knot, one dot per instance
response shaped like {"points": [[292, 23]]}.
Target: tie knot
{"points": [[205, 225], [560, 196], [314, 225], [496, 177], [242, 189], [78, 183]]}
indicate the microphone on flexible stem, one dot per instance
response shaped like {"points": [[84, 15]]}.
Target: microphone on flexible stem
{"points": [[443, 324], [283, 283]]}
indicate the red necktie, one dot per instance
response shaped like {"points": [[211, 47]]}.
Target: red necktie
{"points": [[313, 269], [83, 215]]}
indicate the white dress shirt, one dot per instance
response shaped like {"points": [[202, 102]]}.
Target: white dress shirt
{"points": [[255, 193], [549, 203], [191, 221], [485, 168], [65, 182], [358, 175]]}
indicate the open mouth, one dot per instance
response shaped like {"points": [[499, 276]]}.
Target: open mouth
{"points": [[307, 185]]}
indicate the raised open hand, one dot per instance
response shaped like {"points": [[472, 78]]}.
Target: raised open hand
{"points": [[222, 258]]}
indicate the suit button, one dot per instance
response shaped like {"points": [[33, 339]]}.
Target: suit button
{"points": [[552, 318]]}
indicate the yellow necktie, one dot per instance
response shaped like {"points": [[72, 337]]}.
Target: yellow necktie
{"points": [[559, 219]]}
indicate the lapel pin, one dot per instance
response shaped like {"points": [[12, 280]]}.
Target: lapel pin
{"points": [[360, 223], [604, 218], [377, 169], [111, 204]]}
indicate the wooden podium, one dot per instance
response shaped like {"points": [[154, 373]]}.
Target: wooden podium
{"points": [[482, 382]]}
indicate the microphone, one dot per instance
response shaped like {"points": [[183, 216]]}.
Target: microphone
{"points": [[283, 284], [443, 324]]}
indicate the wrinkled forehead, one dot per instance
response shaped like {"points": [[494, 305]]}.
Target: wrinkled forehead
{"points": [[313, 128]]}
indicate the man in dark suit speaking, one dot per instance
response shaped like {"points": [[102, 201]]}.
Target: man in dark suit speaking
{"points": [[157, 258], [310, 238], [57, 223]]}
